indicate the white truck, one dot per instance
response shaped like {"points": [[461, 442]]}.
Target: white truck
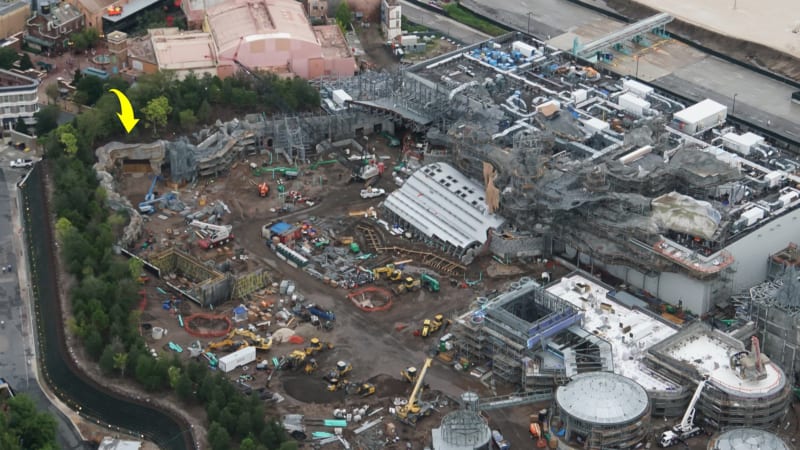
{"points": [[686, 428], [213, 235], [372, 192], [237, 359]]}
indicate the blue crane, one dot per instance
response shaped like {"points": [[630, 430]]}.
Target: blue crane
{"points": [[151, 192]]}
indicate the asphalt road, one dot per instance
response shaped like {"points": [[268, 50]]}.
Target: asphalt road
{"points": [[442, 24], [16, 353]]}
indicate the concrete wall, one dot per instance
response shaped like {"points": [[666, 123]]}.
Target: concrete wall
{"points": [[752, 252], [668, 286], [279, 53], [13, 22]]}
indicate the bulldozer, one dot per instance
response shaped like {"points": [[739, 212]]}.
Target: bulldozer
{"points": [[294, 360], [409, 284], [432, 326], [338, 373], [362, 389], [334, 384], [317, 346], [263, 189]]}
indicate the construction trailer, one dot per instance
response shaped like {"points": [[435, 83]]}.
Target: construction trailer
{"points": [[237, 359]]}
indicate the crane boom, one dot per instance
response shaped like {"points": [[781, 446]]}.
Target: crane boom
{"points": [[688, 416], [412, 399]]}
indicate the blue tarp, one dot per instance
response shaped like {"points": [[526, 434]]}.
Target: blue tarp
{"points": [[239, 310], [280, 228]]}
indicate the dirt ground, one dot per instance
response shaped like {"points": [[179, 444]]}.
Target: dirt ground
{"points": [[379, 345]]}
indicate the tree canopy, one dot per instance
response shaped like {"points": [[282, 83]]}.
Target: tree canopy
{"points": [[23, 427]]}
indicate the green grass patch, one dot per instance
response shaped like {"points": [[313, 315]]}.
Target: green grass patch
{"points": [[456, 12], [411, 27]]}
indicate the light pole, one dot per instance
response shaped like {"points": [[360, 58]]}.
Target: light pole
{"points": [[637, 67], [733, 108], [529, 21]]}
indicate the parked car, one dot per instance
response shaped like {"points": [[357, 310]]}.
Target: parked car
{"points": [[22, 163]]}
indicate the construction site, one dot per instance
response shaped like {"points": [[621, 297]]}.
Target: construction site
{"points": [[474, 250]]}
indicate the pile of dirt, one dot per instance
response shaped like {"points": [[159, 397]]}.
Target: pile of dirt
{"points": [[310, 389], [389, 386]]}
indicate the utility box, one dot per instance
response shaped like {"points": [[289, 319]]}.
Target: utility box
{"points": [[700, 117], [636, 88], [741, 143], [340, 97], [595, 125], [409, 39], [237, 359], [633, 104], [525, 49]]}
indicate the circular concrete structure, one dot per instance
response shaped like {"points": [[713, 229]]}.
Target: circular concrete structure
{"points": [[747, 439], [605, 408]]}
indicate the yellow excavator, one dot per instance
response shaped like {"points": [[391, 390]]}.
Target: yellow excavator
{"points": [[316, 346], [256, 341], [362, 389], [226, 345], [415, 409], [389, 271], [310, 367], [295, 360], [410, 374]]}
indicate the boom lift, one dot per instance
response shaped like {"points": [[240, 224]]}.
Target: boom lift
{"points": [[415, 409], [214, 234], [686, 428]]}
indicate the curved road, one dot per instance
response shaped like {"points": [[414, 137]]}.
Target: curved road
{"points": [[17, 359]]}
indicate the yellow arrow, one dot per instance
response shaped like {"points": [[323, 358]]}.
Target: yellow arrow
{"points": [[126, 111]]}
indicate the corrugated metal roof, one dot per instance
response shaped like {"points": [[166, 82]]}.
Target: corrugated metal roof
{"points": [[747, 439], [440, 201], [603, 398]]}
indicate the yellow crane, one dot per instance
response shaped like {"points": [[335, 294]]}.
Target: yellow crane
{"points": [[414, 409]]}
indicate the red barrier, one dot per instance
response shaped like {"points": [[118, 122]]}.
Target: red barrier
{"points": [[191, 328], [372, 291]]}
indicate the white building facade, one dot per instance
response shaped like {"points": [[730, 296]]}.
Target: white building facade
{"points": [[391, 18], [18, 97]]}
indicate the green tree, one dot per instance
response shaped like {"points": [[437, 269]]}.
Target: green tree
{"points": [[218, 437], [46, 119], [135, 266], [106, 362], [25, 62], [8, 56], [31, 428], [174, 374], [70, 143], [183, 387], [92, 87], [21, 126], [187, 119], [157, 111], [120, 363], [343, 15], [52, 92], [204, 112], [248, 443]]}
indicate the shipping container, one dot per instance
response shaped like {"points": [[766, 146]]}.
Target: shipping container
{"points": [[237, 359], [525, 49], [633, 104], [742, 144], [700, 117], [636, 88], [340, 97]]}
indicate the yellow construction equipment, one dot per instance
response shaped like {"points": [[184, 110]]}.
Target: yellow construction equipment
{"points": [[310, 366], [390, 272], [335, 384], [362, 389], [408, 285], [415, 409], [226, 345], [317, 346], [410, 374], [295, 360], [432, 326], [342, 369], [256, 341]]}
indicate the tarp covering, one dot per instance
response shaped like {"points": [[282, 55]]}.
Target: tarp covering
{"points": [[684, 214]]}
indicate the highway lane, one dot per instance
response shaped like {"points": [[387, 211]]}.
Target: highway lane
{"points": [[17, 340]]}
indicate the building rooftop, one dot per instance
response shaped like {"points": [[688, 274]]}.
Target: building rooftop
{"points": [[700, 111], [602, 317], [182, 50], [603, 398], [439, 200], [109, 443], [10, 81], [747, 439], [129, 9], [7, 7], [250, 20], [332, 40], [95, 6], [709, 352]]}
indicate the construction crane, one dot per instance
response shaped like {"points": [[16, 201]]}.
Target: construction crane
{"points": [[686, 428], [415, 409], [215, 234]]}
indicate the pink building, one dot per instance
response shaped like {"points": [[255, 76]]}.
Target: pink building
{"points": [[276, 35]]}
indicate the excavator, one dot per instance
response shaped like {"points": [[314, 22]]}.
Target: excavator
{"points": [[263, 189], [256, 341], [342, 369], [410, 374], [409, 284], [391, 273], [310, 367], [415, 409], [295, 360], [432, 326], [317, 346], [226, 345]]}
